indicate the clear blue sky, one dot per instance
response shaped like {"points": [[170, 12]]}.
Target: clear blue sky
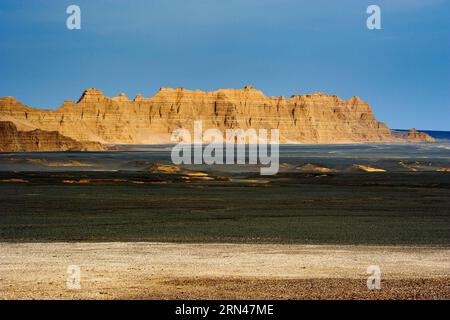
{"points": [[279, 46]]}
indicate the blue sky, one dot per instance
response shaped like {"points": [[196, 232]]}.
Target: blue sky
{"points": [[279, 46]]}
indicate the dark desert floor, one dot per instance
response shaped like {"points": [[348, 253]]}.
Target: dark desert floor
{"points": [[303, 208]]}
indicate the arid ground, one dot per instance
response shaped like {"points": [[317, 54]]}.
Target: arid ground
{"points": [[163, 232], [221, 271]]}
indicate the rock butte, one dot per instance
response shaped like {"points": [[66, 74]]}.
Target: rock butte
{"points": [[306, 118], [12, 140]]}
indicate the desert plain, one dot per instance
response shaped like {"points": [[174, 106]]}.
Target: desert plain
{"points": [[168, 233]]}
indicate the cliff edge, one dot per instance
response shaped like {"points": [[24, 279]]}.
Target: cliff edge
{"points": [[304, 118]]}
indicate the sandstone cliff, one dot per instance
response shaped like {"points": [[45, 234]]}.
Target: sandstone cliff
{"points": [[12, 140], [308, 118], [414, 135]]}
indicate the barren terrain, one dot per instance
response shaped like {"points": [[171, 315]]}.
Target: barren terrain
{"points": [[119, 270]]}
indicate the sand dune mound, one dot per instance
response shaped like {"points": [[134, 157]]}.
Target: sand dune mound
{"points": [[48, 163], [184, 174], [313, 167], [164, 168], [424, 166], [365, 168]]}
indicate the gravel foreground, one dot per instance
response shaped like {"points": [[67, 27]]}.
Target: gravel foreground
{"points": [[138, 270]]}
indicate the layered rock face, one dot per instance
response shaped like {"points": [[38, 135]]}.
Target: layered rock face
{"points": [[310, 118], [12, 140], [414, 135]]}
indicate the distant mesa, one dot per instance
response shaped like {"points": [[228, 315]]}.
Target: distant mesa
{"points": [[303, 118], [414, 135]]}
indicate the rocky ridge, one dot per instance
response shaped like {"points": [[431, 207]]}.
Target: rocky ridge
{"points": [[305, 118]]}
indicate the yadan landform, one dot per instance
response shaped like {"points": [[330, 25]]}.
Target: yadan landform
{"points": [[95, 120]]}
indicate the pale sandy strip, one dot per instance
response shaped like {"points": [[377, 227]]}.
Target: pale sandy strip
{"points": [[40, 269]]}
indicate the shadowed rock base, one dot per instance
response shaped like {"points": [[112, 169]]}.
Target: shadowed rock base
{"points": [[13, 140]]}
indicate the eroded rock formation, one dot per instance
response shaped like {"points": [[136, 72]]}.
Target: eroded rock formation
{"points": [[308, 118], [12, 140], [414, 135]]}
